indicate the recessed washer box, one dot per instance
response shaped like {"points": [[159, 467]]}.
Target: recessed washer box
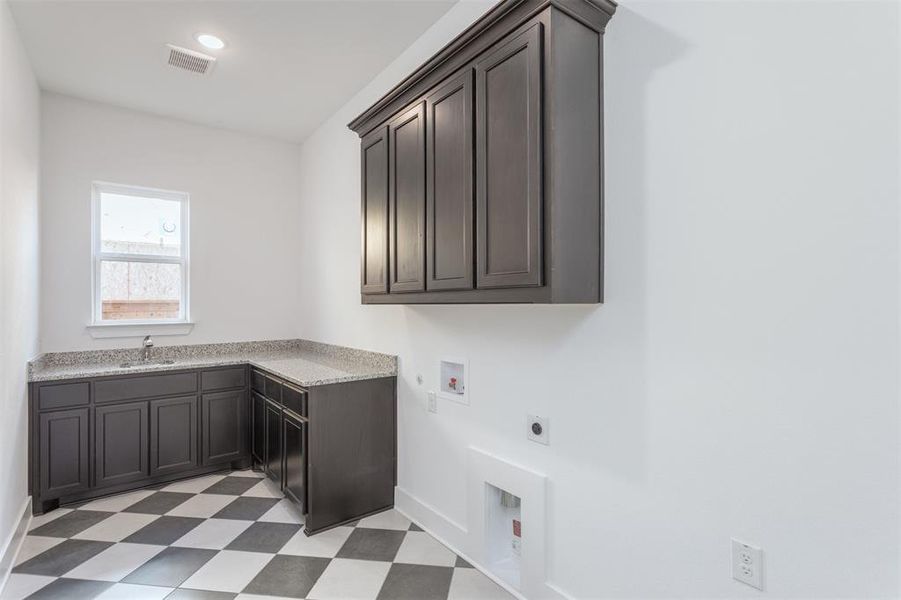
{"points": [[453, 379]]}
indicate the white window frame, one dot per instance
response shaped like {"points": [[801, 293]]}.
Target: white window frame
{"points": [[100, 328]]}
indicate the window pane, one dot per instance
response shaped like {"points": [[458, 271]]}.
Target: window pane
{"points": [[136, 290], [139, 225]]}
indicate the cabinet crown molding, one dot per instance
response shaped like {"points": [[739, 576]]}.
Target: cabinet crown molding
{"points": [[492, 26]]}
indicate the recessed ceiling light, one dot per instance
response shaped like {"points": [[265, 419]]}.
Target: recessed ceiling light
{"points": [[210, 41]]}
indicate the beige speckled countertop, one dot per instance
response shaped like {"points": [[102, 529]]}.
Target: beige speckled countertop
{"points": [[302, 362]]}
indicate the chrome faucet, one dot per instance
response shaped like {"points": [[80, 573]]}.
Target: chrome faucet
{"points": [[145, 351]]}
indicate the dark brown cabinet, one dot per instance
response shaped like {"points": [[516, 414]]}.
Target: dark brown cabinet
{"points": [[508, 136], [294, 436], [173, 435], [258, 429], [351, 449], [330, 448], [449, 185], [273, 459], [133, 430], [374, 192], [406, 207], [120, 443], [63, 452], [222, 437], [513, 163]]}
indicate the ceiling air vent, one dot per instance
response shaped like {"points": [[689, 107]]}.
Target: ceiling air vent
{"points": [[190, 60]]}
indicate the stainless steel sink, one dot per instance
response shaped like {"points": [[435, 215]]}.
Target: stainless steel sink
{"points": [[149, 363]]}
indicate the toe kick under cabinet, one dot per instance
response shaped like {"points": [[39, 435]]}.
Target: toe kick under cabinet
{"points": [[481, 172], [330, 448]]}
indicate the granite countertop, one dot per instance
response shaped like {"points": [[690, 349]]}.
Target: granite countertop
{"points": [[303, 362]]}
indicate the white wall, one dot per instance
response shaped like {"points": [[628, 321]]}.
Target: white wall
{"points": [[741, 378], [244, 219], [19, 264]]}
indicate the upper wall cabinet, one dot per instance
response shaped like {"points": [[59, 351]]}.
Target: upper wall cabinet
{"points": [[482, 170]]}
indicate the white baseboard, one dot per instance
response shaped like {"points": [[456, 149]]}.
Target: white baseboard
{"points": [[13, 542], [451, 534]]}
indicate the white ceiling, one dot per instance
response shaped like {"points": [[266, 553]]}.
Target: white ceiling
{"points": [[287, 65]]}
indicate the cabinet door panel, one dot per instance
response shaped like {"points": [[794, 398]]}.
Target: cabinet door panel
{"points": [[222, 427], [173, 435], [295, 471], [274, 441], [120, 443], [259, 429], [406, 211], [509, 164], [374, 193], [449, 185], [63, 452]]}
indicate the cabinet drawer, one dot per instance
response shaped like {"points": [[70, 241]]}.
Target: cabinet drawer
{"points": [[294, 399], [258, 381], [111, 390], [222, 379], [65, 394], [273, 389]]}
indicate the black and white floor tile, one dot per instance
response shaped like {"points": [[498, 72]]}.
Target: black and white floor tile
{"points": [[220, 537]]}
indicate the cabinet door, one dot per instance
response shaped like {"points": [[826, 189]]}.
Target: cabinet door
{"points": [[222, 427], [295, 472], [274, 441], [406, 208], [259, 428], [120, 443], [63, 452], [173, 435], [449, 185], [374, 176], [509, 164]]}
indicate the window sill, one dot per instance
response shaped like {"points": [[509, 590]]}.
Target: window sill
{"points": [[132, 329]]}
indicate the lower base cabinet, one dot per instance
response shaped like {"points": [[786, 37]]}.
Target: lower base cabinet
{"points": [[105, 435], [330, 448], [351, 451]]}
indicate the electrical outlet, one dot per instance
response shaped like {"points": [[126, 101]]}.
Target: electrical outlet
{"points": [[538, 429], [433, 402], [747, 564]]}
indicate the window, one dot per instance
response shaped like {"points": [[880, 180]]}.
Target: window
{"points": [[140, 253]]}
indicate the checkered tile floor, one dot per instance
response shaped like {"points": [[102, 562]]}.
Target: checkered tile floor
{"points": [[231, 536]]}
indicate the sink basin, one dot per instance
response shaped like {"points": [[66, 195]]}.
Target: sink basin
{"points": [[149, 363]]}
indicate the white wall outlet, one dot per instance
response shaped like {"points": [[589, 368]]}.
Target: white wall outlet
{"points": [[747, 564], [538, 429], [433, 402]]}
